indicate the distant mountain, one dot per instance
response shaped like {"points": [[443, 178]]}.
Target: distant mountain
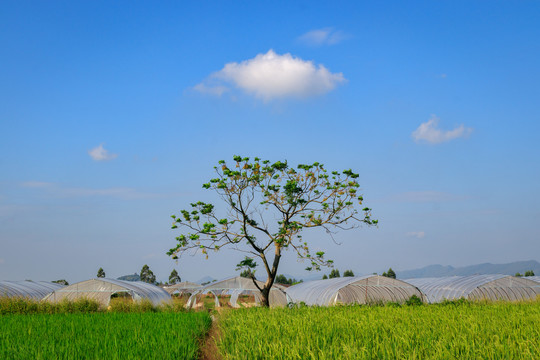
{"points": [[487, 268], [134, 277]]}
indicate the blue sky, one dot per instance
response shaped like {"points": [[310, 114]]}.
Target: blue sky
{"points": [[113, 115]]}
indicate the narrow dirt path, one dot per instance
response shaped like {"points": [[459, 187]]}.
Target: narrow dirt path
{"points": [[209, 349]]}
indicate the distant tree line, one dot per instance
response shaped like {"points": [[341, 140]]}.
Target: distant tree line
{"points": [[146, 275], [282, 279], [335, 274], [527, 273]]}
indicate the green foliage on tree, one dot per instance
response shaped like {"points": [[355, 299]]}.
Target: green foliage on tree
{"points": [[248, 265], [325, 277], [174, 277], [246, 274], [518, 275], [267, 206], [390, 273], [100, 273], [61, 282], [334, 274], [147, 275], [529, 273], [348, 273]]}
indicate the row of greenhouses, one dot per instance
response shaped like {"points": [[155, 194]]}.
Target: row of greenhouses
{"points": [[239, 291]]}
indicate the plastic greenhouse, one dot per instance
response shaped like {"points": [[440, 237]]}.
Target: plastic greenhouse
{"points": [[236, 287], [477, 287], [182, 288], [28, 289], [533, 278], [352, 290], [102, 289]]}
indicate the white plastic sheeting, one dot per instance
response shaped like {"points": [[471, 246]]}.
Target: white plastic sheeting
{"points": [[477, 287], [181, 288], [28, 289], [352, 290], [235, 287], [533, 278], [102, 289]]}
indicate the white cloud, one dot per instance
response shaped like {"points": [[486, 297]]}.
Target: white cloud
{"points": [[325, 36], [429, 132], [99, 153], [36, 184], [270, 76], [416, 234], [217, 90], [58, 191]]}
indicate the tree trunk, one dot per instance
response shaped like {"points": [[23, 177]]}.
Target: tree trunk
{"points": [[265, 301]]}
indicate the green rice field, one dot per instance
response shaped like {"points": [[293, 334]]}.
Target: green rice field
{"points": [[103, 335], [453, 331]]}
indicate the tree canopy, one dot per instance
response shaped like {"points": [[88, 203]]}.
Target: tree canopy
{"points": [[100, 273], [334, 274], [390, 273], [174, 277], [267, 207], [348, 273], [147, 275]]}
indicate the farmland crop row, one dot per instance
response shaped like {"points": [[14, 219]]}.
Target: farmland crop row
{"points": [[103, 335], [455, 331]]}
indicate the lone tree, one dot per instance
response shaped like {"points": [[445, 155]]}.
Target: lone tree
{"points": [[100, 273], [348, 273], [147, 275], [334, 274], [390, 274], [269, 204], [174, 277]]}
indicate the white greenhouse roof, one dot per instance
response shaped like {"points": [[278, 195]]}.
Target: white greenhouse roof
{"points": [[492, 287], [346, 290], [236, 286], [28, 289], [101, 290], [182, 287], [533, 278]]}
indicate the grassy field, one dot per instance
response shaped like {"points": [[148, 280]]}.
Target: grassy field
{"points": [[451, 331], [150, 335]]}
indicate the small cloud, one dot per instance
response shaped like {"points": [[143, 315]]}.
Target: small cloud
{"points": [[271, 76], [325, 36], [58, 191], [442, 76], [36, 184], [211, 90], [101, 154], [416, 234], [429, 132]]}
